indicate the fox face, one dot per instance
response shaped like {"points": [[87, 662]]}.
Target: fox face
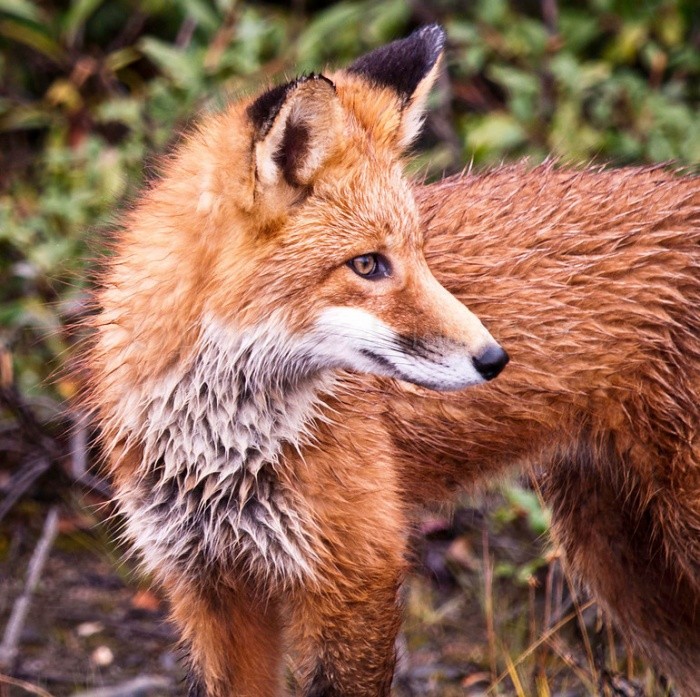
{"points": [[286, 222], [333, 239], [354, 291]]}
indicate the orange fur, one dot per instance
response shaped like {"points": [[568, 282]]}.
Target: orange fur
{"points": [[271, 500], [591, 279], [255, 268]]}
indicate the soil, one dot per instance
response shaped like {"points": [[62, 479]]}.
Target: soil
{"points": [[94, 623], [91, 622]]}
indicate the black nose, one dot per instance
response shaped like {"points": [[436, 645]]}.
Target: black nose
{"points": [[491, 362]]}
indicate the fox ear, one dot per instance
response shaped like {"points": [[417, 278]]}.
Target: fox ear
{"points": [[410, 67], [296, 126]]}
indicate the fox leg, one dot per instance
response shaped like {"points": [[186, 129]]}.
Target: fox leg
{"points": [[344, 619], [343, 627], [234, 639], [345, 636], [620, 542]]}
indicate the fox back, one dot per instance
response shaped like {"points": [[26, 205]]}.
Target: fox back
{"points": [[591, 279]]}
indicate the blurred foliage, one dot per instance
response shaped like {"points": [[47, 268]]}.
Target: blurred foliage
{"points": [[90, 88], [603, 80]]}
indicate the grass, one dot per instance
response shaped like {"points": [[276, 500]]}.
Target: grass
{"points": [[503, 618]]}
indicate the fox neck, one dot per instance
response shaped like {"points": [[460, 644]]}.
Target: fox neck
{"points": [[213, 437], [243, 397]]}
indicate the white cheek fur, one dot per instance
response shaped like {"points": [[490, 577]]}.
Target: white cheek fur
{"points": [[355, 339]]}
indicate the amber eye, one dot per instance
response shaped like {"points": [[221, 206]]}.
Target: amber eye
{"points": [[370, 266]]}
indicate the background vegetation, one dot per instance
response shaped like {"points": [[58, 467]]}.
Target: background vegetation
{"points": [[90, 90]]}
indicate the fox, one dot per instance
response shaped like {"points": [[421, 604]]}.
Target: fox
{"points": [[280, 248], [295, 347]]}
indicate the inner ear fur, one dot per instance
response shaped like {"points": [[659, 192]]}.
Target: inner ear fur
{"points": [[296, 127], [409, 67]]}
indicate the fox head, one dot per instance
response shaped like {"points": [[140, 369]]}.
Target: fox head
{"points": [[288, 219]]}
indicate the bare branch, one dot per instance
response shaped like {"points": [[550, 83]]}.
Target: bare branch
{"points": [[8, 648], [21, 481], [24, 685], [550, 14], [131, 688], [34, 432]]}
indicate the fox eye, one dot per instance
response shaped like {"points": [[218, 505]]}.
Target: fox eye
{"points": [[371, 266]]}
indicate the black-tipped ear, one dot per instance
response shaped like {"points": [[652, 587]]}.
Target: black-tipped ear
{"points": [[403, 64], [295, 128], [263, 110]]}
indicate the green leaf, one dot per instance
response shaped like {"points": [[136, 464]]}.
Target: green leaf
{"points": [[178, 65], [526, 502], [16, 118], [202, 12], [32, 37], [125, 110], [578, 29], [346, 29], [338, 21], [629, 41], [523, 89], [493, 11], [120, 58], [22, 9], [75, 18], [496, 132]]}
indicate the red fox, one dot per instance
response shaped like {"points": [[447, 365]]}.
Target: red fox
{"points": [[281, 244], [264, 297]]}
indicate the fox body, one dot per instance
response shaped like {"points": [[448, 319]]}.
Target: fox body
{"points": [[270, 492], [591, 279]]}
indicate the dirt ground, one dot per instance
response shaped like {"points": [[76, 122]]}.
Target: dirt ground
{"points": [[483, 596]]}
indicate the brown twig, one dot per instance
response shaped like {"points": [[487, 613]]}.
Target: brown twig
{"points": [[42, 449], [584, 632], [22, 481], [546, 636], [8, 648], [556, 645], [24, 685], [186, 32], [32, 430], [488, 601], [79, 447], [550, 14], [144, 684]]}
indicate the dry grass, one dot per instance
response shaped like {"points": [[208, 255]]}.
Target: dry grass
{"points": [[484, 623]]}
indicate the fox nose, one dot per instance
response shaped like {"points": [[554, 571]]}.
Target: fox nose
{"points": [[491, 362]]}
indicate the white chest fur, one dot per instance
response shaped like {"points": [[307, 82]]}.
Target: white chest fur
{"points": [[209, 493]]}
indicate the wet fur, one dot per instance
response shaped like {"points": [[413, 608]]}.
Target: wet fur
{"points": [[255, 485], [591, 279], [252, 494]]}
